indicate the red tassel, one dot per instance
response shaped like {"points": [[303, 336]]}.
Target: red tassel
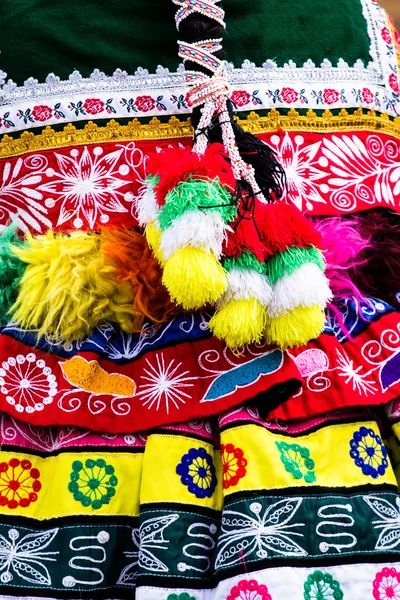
{"points": [[174, 165], [245, 238], [283, 226]]}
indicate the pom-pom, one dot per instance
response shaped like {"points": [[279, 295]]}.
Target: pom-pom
{"points": [[285, 263], [66, 289], [306, 286], [296, 327], [145, 202], [194, 277], [153, 237], [245, 237], [282, 226], [176, 165], [239, 322], [246, 284], [194, 228], [11, 270], [135, 264], [197, 194]]}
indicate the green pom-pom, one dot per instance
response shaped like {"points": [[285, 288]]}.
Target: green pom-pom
{"points": [[197, 194], [11, 270], [246, 261], [285, 263]]}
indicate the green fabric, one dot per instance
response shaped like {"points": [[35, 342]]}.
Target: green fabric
{"points": [[43, 36], [285, 263], [245, 262], [197, 194]]}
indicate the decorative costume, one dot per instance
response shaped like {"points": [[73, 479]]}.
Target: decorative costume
{"points": [[199, 304]]}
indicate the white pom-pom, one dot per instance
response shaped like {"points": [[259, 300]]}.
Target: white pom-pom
{"points": [[246, 284], [305, 287], [195, 228], [145, 203]]}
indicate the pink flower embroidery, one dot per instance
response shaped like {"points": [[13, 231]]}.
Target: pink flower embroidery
{"points": [[42, 112], [394, 83], [386, 585], [385, 33], [93, 106], [249, 590], [145, 103], [240, 97], [330, 96], [367, 95], [289, 95]]}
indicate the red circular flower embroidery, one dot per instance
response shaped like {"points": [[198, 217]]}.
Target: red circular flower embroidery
{"points": [[249, 590], [386, 585], [233, 465], [394, 83], [289, 95], [145, 103], [385, 33], [93, 106], [367, 95], [19, 483], [240, 97], [42, 112], [331, 96]]}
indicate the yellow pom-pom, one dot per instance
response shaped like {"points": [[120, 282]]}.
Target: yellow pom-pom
{"points": [[194, 277], [153, 237], [67, 289], [239, 322], [296, 327]]}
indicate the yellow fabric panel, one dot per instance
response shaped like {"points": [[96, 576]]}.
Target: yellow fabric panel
{"points": [[102, 484], [329, 449], [162, 483]]}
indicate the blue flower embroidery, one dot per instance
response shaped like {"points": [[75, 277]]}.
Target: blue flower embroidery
{"points": [[368, 452], [197, 472]]}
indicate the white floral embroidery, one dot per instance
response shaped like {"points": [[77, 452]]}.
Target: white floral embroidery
{"points": [[389, 522], [264, 532], [27, 383], [163, 384], [25, 558]]}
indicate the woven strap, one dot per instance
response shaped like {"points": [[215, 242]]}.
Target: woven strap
{"points": [[208, 8]]}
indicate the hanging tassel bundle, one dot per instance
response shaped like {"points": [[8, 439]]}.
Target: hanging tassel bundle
{"points": [[213, 216], [67, 289], [194, 205], [11, 270]]}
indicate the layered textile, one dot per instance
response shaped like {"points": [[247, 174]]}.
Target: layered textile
{"points": [[160, 464]]}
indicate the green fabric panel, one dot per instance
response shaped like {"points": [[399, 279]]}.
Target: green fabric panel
{"points": [[43, 36]]}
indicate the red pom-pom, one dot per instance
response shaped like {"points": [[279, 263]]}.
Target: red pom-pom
{"points": [[282, 226], [174, 165], [245, 238]]}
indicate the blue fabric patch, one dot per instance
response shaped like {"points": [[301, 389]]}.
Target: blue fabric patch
{"points": [[356, 318]]}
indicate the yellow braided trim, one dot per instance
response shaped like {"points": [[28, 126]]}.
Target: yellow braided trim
{"points": [[175, 129]]}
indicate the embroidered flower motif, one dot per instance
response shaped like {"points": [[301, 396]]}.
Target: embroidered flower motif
{"points": [[28, 384], [297, 461], [197, 472], [42, 112], [367, 95], [93, 483], [322, 586], [145, 103], [394, 83], [301, 168], [233, 465], [93, 106], [385, 33], [183, 596], [289, 95], [249, 590], [25, 556], [87, 184], [368, 452], [386, 585], [388, 523], [330, 96], [19, 483], [240, 97]]}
